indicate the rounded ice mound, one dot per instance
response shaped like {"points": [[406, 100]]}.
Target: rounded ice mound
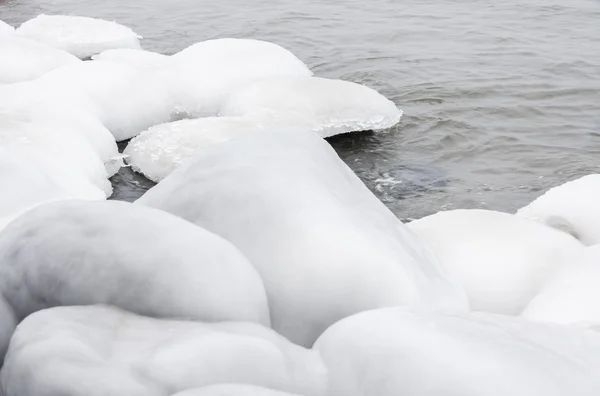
{"points": [[206, 73], [325, 246], [500, 259], [137, 258], [131, 57], [127, 100], [573, 207], [232, 390], [572, 296], [23, 60], [6, 29], [80, 36], [161, 149], [327, 107], [391, 352], [113, 352]]}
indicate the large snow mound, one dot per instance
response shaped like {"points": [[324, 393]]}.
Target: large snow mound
{"points": [[22, 59], [206, 73], [393, 352], [232, 390], [325, 246], [98, 350], [132, 57], [572, 296], [500, 259], [161, 149], [80, 36], [6, 29], [327, 107], [134, 257], [573, 207]]}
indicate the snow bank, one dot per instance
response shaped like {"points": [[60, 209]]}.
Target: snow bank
{"points": [[232, 390], [23, 59], [573, 207], [132, 57], [207, 72], [6, 29], [327, 107], [325, 246], [572, 295], [80, 36], [161, 149], [96, 350], [500, 259], [137, 258], [393, 352]]}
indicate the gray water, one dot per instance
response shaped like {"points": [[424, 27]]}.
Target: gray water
{"points": [[501, 98]]}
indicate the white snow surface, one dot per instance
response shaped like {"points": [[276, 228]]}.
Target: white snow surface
{"points": [[327, 107], [163, 148], [132, 57], [572, 295], [99, 351], [500, 259], [573, 207], [206, 73], [6, 29], [141, 259], [391, 352], [232, 390], [22, 59], [80, 36], [325, 246]]}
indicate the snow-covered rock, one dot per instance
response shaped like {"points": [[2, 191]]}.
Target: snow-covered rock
{"points": [[80, 36], [573, 207], [325, 246], [6, 29], [500, 259], [99, 351], [207, 72], [22, 59], [161, 149], [327, 107], [132, 57], [572, 295], [232, 390], [137, 258], [391, 352]]}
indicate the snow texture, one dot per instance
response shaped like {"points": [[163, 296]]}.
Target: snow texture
{"points": [[325, 246], [232, 390], [100, 351], [327, 107], [161, 149], [572, 207], [80, 36], [500, 259], [132, 57], [6, 29]]}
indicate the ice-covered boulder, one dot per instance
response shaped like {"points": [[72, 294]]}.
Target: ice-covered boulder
{"points": [[325, 246], [6, 29], [572, 295], [80, 36], [232, 390], [137, 258], [207, 72], [132, 57], [22, 59], [573, 207], [161, 149], [500, 259], [327, 107], [126, 100], [391, 352], [99, 351]]}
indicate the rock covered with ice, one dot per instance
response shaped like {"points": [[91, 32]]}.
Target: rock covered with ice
{"points": [[23, 60], [132, 57], [141, 259], [325, 246], [80, 36], [572, 295], [6, 29], [501, 260], [206, 73], [327, 107], [161, 149], [98, 350], [232, 390], [393, 351], [573, 207]]}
